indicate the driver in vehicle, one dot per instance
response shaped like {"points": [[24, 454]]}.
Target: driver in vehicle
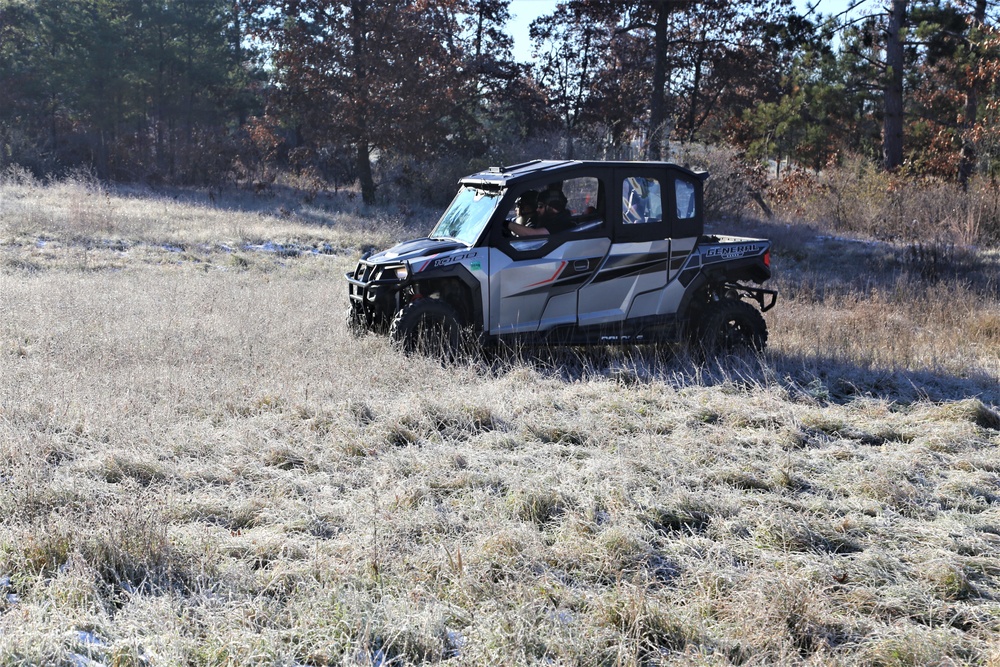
{"points": [[526, 207]]}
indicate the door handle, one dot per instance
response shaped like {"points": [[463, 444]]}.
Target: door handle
{"points": [[581, 265]]}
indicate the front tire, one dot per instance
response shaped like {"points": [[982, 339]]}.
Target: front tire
{"points": [[730, 326], [427, 326]]}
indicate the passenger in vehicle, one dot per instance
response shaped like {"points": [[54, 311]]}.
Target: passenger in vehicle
{"points": [[554, 217], [548, 217], [551, 217], [556, 187]]}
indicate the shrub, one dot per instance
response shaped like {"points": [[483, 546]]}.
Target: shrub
{"points": [[860, 198], [18, 176]]}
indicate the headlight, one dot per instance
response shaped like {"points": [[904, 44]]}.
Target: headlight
{"points": [[402, 272]]}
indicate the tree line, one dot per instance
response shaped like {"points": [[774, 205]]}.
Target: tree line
{"points": [[204, 91]]}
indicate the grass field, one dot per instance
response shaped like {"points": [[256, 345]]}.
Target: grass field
{"points": [[198, 465]]}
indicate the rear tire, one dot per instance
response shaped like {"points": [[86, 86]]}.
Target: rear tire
{"points": [[427, 326], [730, 326]]}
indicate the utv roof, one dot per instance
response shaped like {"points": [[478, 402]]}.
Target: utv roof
{"points": [[505, 176]]}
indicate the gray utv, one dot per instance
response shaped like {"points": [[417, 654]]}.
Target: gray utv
{"points": [[630, 263]]}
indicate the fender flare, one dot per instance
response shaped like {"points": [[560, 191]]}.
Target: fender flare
{"points": [[463, 275], [751, 269]]}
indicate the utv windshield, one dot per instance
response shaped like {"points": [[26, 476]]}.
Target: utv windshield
{"points": [[467, 216]]}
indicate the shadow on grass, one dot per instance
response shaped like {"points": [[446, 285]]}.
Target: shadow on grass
{"points": [[821, 263], [321, 208], [829, 379], [823, 379]]}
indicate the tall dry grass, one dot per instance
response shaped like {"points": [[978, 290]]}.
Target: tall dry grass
{"points": [[860, 199], [198, 465]]}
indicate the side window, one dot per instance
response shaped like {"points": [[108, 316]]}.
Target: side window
{"points": [[553, 212], [572, 205], [685, 199], [641, 201]]}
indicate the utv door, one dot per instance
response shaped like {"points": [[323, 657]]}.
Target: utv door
{"points": [[656, 224], [539, 293], [534, 281], [638, 263]]}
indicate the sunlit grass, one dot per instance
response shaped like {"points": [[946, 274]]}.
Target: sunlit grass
{"points": [[199, 465]]}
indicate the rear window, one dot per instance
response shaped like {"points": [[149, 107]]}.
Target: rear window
{"points": [[641, 201], [581, 196], [684, 191]]}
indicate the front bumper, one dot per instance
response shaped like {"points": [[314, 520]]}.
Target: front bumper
{"points": [[374, 290]]}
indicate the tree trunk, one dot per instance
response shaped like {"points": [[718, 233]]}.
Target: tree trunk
{"points": [[365, 173], [657, 112], [892, 123], [359, 46], [967, 161], [695, 88], [238, 57]]}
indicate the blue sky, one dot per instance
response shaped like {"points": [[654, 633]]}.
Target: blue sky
{"points": [[523, 12]]}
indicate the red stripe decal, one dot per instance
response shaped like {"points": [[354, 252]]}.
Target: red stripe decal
{"points": [[555, 275]]}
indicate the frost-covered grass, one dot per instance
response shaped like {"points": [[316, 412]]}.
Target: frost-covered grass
{"points": [[198, 465], [83, 213]]}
